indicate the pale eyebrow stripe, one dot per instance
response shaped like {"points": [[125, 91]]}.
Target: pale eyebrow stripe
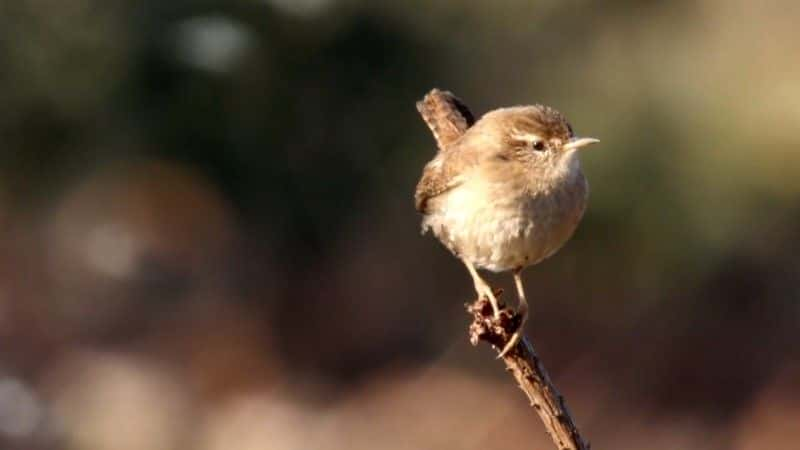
{"points": [[515, 134]]}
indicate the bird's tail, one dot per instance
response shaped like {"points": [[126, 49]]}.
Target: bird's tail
{"points": [[446, 115]]}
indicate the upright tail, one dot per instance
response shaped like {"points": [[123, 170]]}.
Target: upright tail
{"points": [[446, 115]]}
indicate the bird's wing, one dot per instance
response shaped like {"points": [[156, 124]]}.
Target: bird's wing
{"points": [[434, 181], [446, 115], [448, 118], [443, 173]]}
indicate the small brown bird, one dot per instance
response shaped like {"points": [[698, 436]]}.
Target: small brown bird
{"points": [[502, 193]]}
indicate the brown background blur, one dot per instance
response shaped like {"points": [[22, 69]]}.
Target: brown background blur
{"points": [[208, 240]]}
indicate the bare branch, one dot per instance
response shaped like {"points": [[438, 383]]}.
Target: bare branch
{"points": [[529, 372]]}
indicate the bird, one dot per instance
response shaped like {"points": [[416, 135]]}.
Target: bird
{"points": [[503, 192]]}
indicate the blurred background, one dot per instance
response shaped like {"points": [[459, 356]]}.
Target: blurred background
{"points": [[208, 240]]}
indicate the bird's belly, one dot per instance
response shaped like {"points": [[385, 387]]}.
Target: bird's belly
{"points": [[505, 234]]}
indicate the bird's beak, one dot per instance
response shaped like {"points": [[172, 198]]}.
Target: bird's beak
{"points": [[576, 143]]}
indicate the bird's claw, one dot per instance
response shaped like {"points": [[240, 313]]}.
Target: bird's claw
{"points": [[512, 342], [520, 318]]}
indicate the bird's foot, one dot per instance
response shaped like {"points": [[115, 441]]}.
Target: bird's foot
{"points": [[503, 332], [511, 343], [486, 292], [520, 318]]}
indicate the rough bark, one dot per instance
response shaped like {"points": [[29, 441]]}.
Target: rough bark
{"points": [[529, 372]]}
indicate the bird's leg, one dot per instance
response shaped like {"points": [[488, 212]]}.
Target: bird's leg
{"points": [[483, 288], [523, 311]]}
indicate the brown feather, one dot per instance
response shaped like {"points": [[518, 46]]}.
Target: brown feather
{"points": [[446, 115], [439, 175], [448, 119]]}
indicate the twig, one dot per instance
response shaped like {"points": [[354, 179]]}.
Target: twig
{"points": [[529, 372]]}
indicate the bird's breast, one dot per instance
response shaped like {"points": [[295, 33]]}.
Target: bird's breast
{"points": [[501, 224]]}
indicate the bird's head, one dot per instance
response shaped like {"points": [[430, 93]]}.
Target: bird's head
{"points": [[537, 134]]}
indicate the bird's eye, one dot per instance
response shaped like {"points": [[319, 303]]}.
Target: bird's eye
{"points": [[538, 145]]}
